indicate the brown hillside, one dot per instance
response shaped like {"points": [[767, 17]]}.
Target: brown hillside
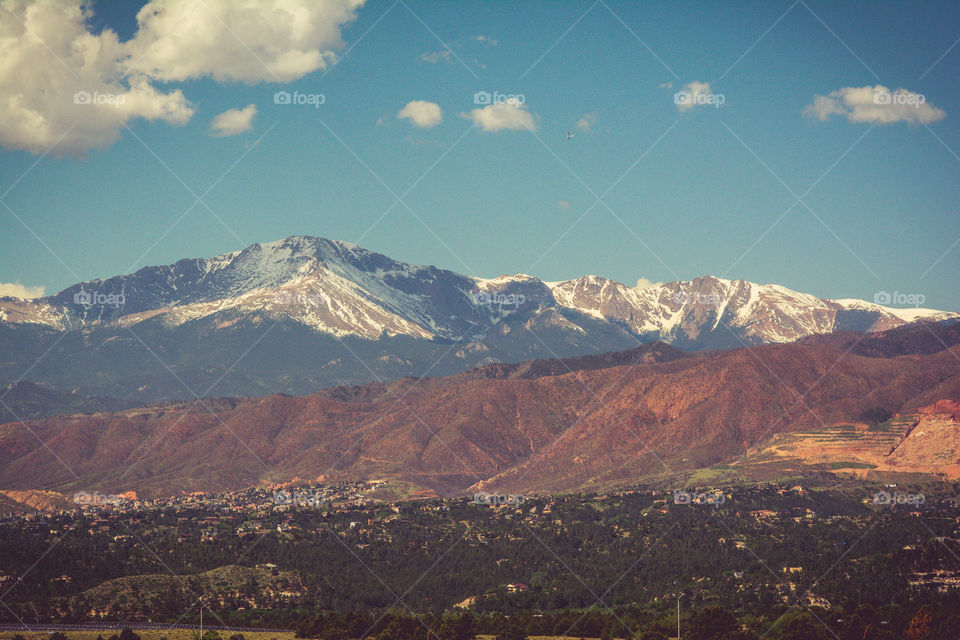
{"points": [[590, 427]]}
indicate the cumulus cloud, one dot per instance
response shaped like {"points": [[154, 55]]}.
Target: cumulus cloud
{"points": [[874, 104], [240, 40], [422, 113], [511, 114], [585, 123], [63, 83], [17, 290], [233, 122], [696, 94], [59, 82], [643, 283]]}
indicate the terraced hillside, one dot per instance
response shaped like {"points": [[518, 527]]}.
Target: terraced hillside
{"points": [[861, 438], [923, 439]]}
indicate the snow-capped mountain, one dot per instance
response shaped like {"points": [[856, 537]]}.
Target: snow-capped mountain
{"points": [[350, 315], [342, 289], [696, 313]]}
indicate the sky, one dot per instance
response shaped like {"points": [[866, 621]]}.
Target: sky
{"points": [[810, 144]]}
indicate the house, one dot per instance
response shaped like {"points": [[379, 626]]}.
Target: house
{"points": [[515, 587]]}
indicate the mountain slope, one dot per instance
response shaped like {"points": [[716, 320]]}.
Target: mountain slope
{"points": [[25, 400], [530, 428], [305, 313]]}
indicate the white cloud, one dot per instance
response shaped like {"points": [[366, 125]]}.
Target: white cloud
{"points": [[643, 283], [59, 80], [585, 123], [695, 94], [17, 290], [233, 122], [874, 104], [446, 54], [422, 113], [241, 40], [511, 115], [433, 57]]}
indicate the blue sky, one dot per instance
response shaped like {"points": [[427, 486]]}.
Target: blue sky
{"points": [[696, 191]]}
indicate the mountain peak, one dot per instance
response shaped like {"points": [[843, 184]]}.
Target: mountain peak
{"points": [[339, 288]]}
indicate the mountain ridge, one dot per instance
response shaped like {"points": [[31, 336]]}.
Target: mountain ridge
{"points": [[585, 424], [305, 313], [287, 267]]}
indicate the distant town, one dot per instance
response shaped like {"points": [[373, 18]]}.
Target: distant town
{"points": [[266, 556]]}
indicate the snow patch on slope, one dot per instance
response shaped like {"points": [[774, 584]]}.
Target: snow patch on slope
{"points": [[342, 289]]}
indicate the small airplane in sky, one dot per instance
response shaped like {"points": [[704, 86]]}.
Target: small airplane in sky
{"points": [[569, 136]]}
